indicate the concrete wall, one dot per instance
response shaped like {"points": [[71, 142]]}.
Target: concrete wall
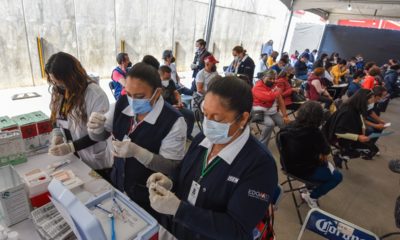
{"points": [[92, 31], [14, 57]]}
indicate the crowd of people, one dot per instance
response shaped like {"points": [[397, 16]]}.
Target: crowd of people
{"points": [[139, 142]]}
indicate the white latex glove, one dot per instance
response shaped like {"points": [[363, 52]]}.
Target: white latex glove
{"points": [[128, 149], [163, 200], [57, 137], [96, 123], [57, 140], [62, 149], [160, 179]]}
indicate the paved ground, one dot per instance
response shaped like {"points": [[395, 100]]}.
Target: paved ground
{"points": [[366, 196]]}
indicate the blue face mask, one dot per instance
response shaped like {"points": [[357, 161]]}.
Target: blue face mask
{"points": [[217, 132], [141, 106]]}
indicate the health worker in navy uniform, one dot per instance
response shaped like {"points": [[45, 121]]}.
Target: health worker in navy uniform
{"points": [[149, 135], [226, 180]]}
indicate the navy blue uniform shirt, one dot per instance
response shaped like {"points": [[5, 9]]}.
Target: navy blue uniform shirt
{"points": [[234, 195]]}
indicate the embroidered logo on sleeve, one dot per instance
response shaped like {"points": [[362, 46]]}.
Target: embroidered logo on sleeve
{"points": [[258, 195], [233, 179]]}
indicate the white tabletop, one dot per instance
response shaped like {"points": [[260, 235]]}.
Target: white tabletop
{"points": [[93, 185]]}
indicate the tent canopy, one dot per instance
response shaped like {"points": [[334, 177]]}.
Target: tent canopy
{"points": [[360, 9]]}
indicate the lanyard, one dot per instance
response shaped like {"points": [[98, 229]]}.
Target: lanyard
{"points": [[207, 168]]}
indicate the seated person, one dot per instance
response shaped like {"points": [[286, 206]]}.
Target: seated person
{"points": [[261, 66], [355, 85], [227, 178], [283, 83], [304, 136], [370, 80], [301, 68], [374, 123], [271, 61], [339, 71], [205, 75], [316, 89], [390, 80], [346, 128], [268, 98], [118, 75], [172, 96], [281, 64], [169, 60]]}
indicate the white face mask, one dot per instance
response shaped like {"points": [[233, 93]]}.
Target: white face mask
{"points": [[370, 106], [165, 83]]}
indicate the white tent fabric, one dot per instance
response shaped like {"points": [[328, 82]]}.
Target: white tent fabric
{"points": [[335, 9]]}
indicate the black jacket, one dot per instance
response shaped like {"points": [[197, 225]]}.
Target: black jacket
{"points": [[308, 141], [345, 120], [199, 61], [391, 77], [300, 68], [247, 67]]}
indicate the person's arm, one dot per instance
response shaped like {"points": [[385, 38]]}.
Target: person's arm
{"points": [[97, 102], [379, 126], [344, 72], [285, 88], [178, 98], [374, 116], [318, 87], [108, 126], [178, 79], [346, 127], [200, 82], [282, 108], [254, 190], [266, 96], [118, 77], [172, 149]]}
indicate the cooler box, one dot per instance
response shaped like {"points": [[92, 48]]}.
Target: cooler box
{"points": [[91, 223], [7, 124], [14, 205], [29, 131], [43, 126], [12, 148]]}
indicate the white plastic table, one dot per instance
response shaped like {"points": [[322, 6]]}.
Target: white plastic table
{"points": [[93, 185]]}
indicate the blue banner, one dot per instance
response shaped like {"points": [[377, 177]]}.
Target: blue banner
{"points": [[334, 229]]}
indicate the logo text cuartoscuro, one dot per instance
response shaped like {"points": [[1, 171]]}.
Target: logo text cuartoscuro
{"points": [[329, 228]]}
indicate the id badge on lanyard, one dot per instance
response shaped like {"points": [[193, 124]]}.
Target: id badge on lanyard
{"points": [[195, 188], [194, 193]]}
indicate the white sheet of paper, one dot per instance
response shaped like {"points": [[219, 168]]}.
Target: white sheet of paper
{"points": [[387, 125]]}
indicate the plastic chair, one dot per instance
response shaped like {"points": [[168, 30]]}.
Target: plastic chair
{"points": [[112, 88], [291, 178]]}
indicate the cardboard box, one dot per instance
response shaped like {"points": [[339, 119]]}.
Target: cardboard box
{"points": [[44, 127], [29, 131], [7, 124], [12, 148], [14, 204]]}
